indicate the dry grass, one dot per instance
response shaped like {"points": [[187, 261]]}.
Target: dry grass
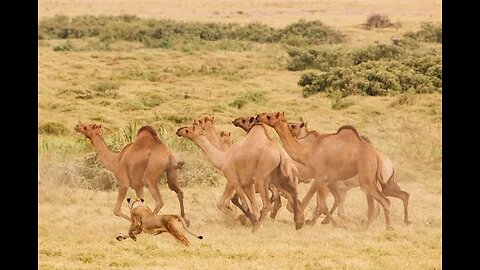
{"points": [[169, 88]]}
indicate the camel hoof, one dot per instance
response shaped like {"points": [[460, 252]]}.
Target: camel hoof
{"points": [[408, 222], [325, 221], [243, 219], [119, 237], [389, 228], [299, 225], [255, 228], [311, 222], [133, 237]]}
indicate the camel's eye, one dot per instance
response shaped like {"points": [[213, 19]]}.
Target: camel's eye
{"points": [[268, 116], [186, 131], [85, 128]]}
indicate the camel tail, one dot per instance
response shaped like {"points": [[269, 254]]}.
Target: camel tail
{"points": [[186, 229], [378, 175], [287, 167]]}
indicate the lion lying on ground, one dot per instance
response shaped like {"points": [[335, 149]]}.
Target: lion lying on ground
{"points": [[143, 220]]}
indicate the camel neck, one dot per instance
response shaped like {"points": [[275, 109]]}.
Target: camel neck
{"points": [[107, 158], [215, 156], [297, 151], [212, 136]]}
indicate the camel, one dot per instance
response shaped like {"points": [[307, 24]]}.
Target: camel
{"points": [[225, 139], [208, 125], [391, 188], [245, 165], [140, 163], [333, 157]]}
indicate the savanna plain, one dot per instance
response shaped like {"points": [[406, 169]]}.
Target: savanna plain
{"points": [[125, 64]]}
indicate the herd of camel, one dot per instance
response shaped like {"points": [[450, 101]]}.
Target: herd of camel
{"points": [[256, 163]]}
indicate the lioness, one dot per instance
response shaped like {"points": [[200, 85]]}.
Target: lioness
{"points": [[143, 220]]}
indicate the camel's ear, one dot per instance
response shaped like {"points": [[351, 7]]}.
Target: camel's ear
{"points": [[251, 119], [142, 200], [128, 199], [228, 133], [282, 114], [277, 114], [302, 124], [180, 164]]}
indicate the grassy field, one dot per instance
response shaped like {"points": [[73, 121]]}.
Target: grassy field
{"points": [[128, 85]]}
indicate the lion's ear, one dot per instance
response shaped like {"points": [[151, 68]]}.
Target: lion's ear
{"points": [[142, 200], [128, 199]]}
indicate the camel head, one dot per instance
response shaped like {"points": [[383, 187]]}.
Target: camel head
{"points": [[205, 123], [225, 137], [299, 130], [190, 132], [271, 119], [246, 123], [89, 130]]}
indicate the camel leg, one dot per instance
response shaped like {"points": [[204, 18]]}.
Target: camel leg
{"points": [[242, 196], [320, 186], [172, 180], [227, 194], [334, 190], [395, 191], [152, 186], [267, 205], [342, 192], [371, 210], [122, 193], [276, 200], [292, 196], [373, 191], [139, 192], [317, 212], [250, 192]]}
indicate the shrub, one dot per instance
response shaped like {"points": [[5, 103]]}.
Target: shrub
{"points": [[375, 52], [374, 78], [317, 59], [241, 101], [163, 33], [429, 32], [378, 21], [53, 128]]}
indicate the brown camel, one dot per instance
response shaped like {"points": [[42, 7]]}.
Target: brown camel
{"points": [[391, 188], [208, 125], [243, 165], [140, 163], [334, 157]]}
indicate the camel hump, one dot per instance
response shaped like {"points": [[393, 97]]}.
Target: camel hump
{"points": [[151, 131], [352, 128]]}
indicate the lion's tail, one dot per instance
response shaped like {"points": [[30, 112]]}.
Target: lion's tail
{"points": [[186, 229]]}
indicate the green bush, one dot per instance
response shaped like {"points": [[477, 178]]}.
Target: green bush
{"points": [[317, 59], [376, 52], [374, 78], [241, 101], [163, 33], [429, 32]]}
